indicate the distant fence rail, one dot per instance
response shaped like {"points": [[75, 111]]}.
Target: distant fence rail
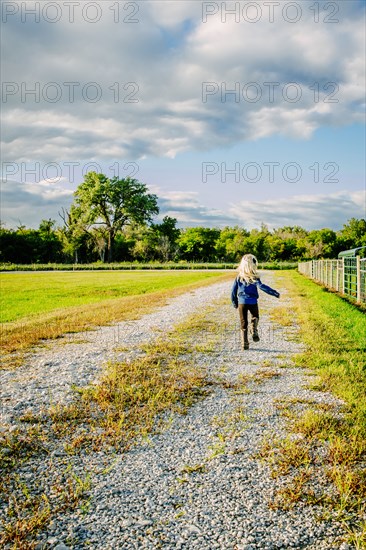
{"points": [[347, 275]]}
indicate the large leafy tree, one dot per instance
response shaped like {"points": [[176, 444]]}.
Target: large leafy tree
{"points": [[257, 243], [231, 244], [154, 242], [322, 243], [168, 228], [198, 243], [112, 204]]}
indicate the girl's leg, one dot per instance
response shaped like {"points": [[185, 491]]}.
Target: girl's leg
{"points": [[254, 310], [243, 314]]}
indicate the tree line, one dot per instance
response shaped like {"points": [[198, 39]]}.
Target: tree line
{"points": [[112, 220]]}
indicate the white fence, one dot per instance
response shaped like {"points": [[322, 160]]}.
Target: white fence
{"points": [[347, 275]]}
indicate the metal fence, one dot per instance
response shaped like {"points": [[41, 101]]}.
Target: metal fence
{"points": [[347, 275]]}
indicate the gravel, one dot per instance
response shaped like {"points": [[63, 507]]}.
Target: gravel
{"points": [[196, 484]]}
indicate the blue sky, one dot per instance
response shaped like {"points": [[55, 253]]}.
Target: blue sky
{"points": [[176, 95]]}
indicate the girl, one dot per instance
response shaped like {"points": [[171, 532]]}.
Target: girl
{"points": [[244, 295]]}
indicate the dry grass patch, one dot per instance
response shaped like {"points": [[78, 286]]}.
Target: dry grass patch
{"points": [[265, 374], [283, 316]]}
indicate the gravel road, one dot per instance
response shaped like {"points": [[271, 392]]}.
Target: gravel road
{"points": [[198, 483]]}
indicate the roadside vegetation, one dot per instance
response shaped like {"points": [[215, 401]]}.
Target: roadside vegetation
{"points": [[327, 443], [334, 332], [123, 266]]}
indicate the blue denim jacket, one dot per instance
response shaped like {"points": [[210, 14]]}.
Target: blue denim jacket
{"points": [[247, 293]]}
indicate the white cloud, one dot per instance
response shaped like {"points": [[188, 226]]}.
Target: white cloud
{"points": [[29, 203], [309, 211], [169, 54]]}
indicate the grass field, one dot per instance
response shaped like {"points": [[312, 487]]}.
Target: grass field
{"points": [[334, 332], [36, 306], [29, 294]]}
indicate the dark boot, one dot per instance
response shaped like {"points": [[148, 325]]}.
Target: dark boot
{"points": [[255, 321], [244, 339]]}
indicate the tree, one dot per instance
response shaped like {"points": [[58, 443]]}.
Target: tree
{"points": [[74, 237], [166, 235], [231, 243], [123, 246], [353, 234], [198, 243], [24, 245], [112, 204], [145, 242], [257, 243], [14, 247], [50, 248], [322, 243]]}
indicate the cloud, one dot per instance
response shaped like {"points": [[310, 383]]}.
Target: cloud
{"points": [[186, 208], [29, 203], [308, 211], [163, 62]]}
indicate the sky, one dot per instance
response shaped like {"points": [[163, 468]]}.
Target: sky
{"points": [[232, 113]]}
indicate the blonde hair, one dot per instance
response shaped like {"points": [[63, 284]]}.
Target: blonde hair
{"points": [[247, 269]]}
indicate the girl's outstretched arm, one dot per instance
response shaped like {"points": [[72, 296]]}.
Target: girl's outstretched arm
{"points": [[268, 289]]}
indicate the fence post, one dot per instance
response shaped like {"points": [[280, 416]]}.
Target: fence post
{"points": [[330, 273], [326, 272], [358, 278], [343, 277]]}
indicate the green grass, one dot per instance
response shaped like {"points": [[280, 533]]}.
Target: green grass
{"points": [[29, 294], [335, 334]]}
